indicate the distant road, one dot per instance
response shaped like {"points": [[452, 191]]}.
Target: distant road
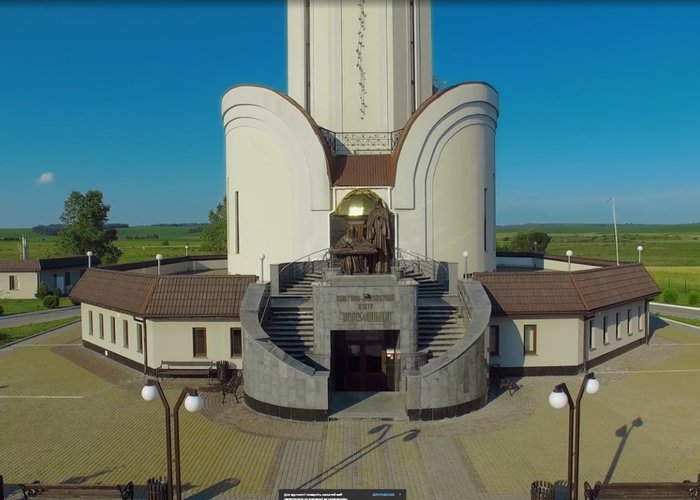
{"points": [[38, 317], [671, 310]]}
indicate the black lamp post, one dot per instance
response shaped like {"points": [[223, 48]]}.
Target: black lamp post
{"points": [[193, 402], [558, 399]]}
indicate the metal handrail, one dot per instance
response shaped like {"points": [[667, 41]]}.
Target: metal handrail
{"points": [[324, 257], [417, 258]]}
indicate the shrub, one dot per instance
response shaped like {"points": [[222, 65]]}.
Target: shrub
{"points": [[670, 296], [75, 302], [57, 292], [41, 291], [694, 298], [2, 311], [50, 302]]}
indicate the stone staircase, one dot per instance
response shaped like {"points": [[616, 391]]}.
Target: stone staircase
{"points": [[290, 325], [440, 325], [302, 287], [291, 328]]}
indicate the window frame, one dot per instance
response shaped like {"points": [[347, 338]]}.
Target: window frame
{"points": [[591, 335], [91, 330], [606, 335], [195, 332], [13, 282], [495, 332], [101, 321], [629, 321], [618, 335], [639, 319], [532, 329], [125, 333], [113, 329], [139, 338], [236, 343]]}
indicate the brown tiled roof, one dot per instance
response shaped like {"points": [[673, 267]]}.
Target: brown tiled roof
{"points": [[614, 285], [151, 296], [560, 292], [116, 290], [363, 170], [36, 265], [531, 293], [198, 296], [19, 266]]}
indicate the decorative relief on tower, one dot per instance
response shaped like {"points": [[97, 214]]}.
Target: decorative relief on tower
{"points": [[360, 63]]}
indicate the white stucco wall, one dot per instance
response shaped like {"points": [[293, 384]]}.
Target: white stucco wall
{"points": [[559, 342], [637, 329], [130, 352], [452, 135], [172, 340], [555, 265], [164, 340], [25, 285], [277, 165]]}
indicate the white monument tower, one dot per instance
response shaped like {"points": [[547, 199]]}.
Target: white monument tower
{"points": [[359, 65], [360, 119]]}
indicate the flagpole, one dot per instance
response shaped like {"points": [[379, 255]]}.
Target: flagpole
{"points": [[617, 248]]}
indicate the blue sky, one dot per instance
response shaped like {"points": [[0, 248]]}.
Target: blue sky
{"points": [[596, 101]]}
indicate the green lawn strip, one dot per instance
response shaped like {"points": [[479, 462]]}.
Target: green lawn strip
{"points": [[19, 306], [11, 334], [693, 322]]}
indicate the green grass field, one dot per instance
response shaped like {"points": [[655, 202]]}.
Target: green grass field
{"points": [[14, 333], [19, 306], [137, 243]]}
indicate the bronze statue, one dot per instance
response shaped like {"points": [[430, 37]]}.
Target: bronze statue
{"points": [[379, 235], [353, 252]]}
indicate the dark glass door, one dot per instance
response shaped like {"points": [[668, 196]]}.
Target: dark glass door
{"points": [[360, 360]]}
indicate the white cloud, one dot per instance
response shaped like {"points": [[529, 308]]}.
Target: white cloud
{"points": [[45, 178]]}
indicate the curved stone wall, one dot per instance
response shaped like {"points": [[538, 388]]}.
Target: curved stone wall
{"points": [[457, 382]]}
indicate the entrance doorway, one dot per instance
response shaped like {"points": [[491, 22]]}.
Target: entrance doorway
{"points": [[364, 360]]}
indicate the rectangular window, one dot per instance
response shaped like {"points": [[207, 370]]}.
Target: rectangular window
{"points": [[639, 318], [235, 215], [125, 332], [101, 325], [236, 342], [139, 337], [494, 340], [629, 321], [112, 330], [66, 279], [14, 282], [606, 339], [199, 342], [591, 335], [90, 330], [530, 339], [617, 326]]}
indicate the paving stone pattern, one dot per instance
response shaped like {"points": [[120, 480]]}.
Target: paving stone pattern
{"points": [[95, 428]]}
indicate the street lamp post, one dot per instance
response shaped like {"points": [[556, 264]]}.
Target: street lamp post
{"points": [[639, 251], [193, 402], [558, 399], [569, 253], [187, 250], [89, 256], [465, 254], [159, 257], [262, 268], [535, 243]]}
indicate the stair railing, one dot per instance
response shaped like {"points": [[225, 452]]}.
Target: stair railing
{"points": [[291, 271], [422, 264]]}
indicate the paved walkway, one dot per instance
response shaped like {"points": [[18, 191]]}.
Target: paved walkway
{"points": [[69, 414]]}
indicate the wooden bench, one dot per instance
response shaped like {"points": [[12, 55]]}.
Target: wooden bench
{"points": [[681, 491], [78, 490], [231, 386], [193, 368]]}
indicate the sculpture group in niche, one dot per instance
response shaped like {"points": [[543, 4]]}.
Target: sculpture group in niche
{"points": [[372, 255]]}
